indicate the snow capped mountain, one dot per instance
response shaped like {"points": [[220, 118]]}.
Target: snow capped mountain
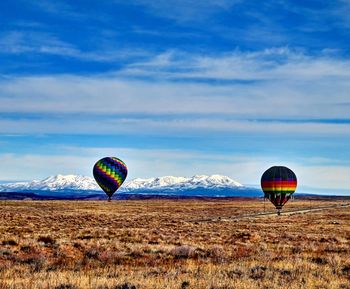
{"points": [[170, 182], [153, 183], [54, 183], [84, 183]]}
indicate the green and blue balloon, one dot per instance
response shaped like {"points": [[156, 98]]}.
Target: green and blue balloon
{"points": [[110, 173]]}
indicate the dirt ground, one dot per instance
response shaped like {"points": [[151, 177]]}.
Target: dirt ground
{"points": [[166, 244]]}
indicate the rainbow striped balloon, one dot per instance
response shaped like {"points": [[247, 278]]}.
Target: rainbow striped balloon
{"points": [[110, 173], [278, 184]]}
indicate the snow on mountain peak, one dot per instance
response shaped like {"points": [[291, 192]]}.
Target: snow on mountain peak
{"points": [[76, 182], [182, 182], [52, 183], [153, 183]]}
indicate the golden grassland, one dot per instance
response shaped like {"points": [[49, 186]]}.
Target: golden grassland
{"points": [[156, 244]]}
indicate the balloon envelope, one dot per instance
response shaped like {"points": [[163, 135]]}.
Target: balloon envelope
{"points": [[278, 184], [110, 173]]}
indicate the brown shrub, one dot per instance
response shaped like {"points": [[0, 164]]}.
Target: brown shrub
{"points": [[242, 252], [85, 237], [47, 240], [346, 270], [9, 242], [136, 253], [4, 286], [36, 261], [111, 257], [296, 250], [184, 251], [66, 286], [319, 260], [233, 274], [27, 249], [257, 272], [92, 253], [6, 253], [218, 254], [125, 286]]}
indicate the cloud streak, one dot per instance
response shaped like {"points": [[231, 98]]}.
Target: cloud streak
{"points": [[31, 42], [280, 63], [281, 85], [164, 126], [186, 10], [271, 84]]}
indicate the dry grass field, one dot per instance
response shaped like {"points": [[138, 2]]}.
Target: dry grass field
{"points": [[156, 244]]}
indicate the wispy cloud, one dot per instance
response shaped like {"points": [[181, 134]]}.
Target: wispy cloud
{"points": [[186, 10], [163, 126], [41, 43], [270, 84], [18, 42], [59, 7], [272, 63]]}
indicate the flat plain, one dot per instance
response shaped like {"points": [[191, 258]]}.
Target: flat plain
{"points": [[168, 244]]}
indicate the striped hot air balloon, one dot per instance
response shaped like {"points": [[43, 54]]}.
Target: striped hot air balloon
{"points": [[278, 184], [110, 173]]}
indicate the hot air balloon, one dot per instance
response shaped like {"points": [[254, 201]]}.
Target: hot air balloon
{"points": [[278, 184], [110, 173]]}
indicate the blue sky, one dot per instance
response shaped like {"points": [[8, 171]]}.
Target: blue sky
{"points": [[176, 88]]}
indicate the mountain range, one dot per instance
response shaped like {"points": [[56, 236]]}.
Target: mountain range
{"points": [[83, 187]]}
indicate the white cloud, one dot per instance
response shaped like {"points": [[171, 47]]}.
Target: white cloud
{"points": [[31, 166], [328, 176], [185, 10], [181, 126], [280, 63], [58, 7], [34, 42], [30, 41], [272, 84]]}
